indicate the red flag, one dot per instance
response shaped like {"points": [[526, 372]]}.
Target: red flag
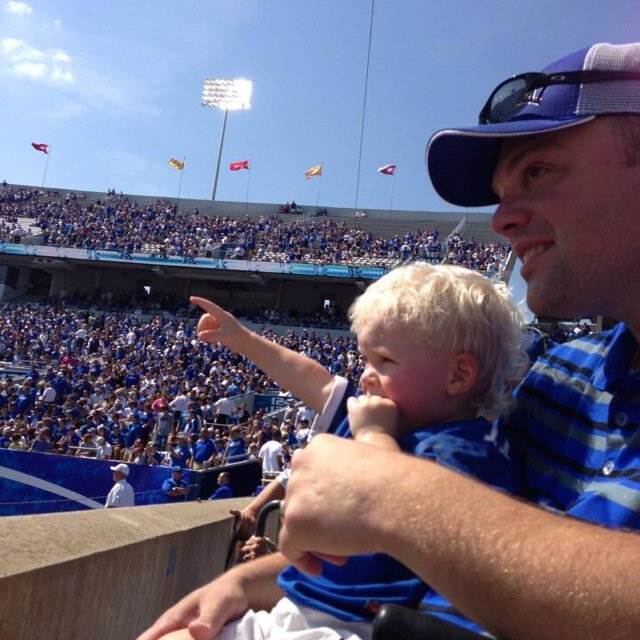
{"points": [[40, 146], [240, 164], [387, 169]]}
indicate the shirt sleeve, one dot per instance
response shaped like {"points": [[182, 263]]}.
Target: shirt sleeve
{"points": [[325, 420]]}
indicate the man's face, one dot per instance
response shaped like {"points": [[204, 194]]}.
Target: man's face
{"points": [[568, 207]]}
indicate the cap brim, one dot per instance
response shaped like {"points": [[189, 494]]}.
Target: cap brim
{"points": [[461, 162]]}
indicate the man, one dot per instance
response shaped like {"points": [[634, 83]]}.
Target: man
{"points": [[41, 442], [204, 452], [291, 411], [270, 454], [179, 451], [103, 449], [224, 407], [175, 488], [224, 490], [235, 449], [121, 494], [163, 427], [559, 153], [179, 406]]}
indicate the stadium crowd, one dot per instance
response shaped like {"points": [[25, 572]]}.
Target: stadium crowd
{"points": [[141, 387], [126, 381], [118, 223]]}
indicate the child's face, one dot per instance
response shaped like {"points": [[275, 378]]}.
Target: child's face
{"points": [[401, 370]]}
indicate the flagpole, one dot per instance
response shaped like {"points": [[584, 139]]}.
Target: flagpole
{"points": [[364, 101], [318, 196], [46, 165], [393, 186], [180, 182], [246, 195]]}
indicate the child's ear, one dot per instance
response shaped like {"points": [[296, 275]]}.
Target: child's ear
{"points": [[463, 373]]}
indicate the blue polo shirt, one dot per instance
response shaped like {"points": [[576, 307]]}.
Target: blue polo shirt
{"points": [[171, 483], [203, 450]]}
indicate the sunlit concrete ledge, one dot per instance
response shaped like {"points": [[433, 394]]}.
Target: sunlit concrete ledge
{"points": [[106, 574]]}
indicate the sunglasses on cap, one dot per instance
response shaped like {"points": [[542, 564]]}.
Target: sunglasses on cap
{"points": [[514, 93]]}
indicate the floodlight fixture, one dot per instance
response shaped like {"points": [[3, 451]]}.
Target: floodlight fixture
{"points": [[226, 95]]}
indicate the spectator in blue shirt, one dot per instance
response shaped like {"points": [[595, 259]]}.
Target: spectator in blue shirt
{"points": [[224, 490], [179, 450], [175, 488], [235, 450], [203, 451]]}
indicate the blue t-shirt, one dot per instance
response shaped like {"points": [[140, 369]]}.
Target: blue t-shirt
{"points": [[222, 492], [236, 450], [180, 455]]}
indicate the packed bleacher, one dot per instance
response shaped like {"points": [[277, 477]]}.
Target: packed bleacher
{"points": [[126, 384], [103, 375], [117, 223]]}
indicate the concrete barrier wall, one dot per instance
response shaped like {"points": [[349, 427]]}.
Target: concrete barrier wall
{"points": [[108, 574]]}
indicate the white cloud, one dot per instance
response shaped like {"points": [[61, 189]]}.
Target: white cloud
{"points": [[7, 45], [30, 69], [57, 23], [17, 50], [61, 56], [22, 8], [81, 88], [21, 59], [61, 75]]}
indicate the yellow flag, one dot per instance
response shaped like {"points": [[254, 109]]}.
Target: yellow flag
{"points": [[176, 164], [316, 170]]}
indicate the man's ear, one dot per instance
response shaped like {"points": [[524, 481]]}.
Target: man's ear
{"points": [[463, 373]]}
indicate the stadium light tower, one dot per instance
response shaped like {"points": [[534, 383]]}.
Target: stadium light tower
{"points": [[226, 95]]}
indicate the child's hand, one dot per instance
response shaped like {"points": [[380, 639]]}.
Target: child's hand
{"points": [[371, 417], [218, 325]]}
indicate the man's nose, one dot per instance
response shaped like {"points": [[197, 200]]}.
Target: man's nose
{"points": [[509, 217]]}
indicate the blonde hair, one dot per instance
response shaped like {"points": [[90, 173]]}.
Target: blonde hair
{"points": [[448, 310]]}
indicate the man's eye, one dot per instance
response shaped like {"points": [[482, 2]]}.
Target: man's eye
{"points": [[533, 172]]}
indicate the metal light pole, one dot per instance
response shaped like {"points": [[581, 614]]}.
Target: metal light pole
{"points": [[226, 95]]}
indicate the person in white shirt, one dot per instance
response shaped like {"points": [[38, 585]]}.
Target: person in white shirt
{"points": [[48, 394], [224, 407], [103, 450], [270, 454], [121, 494]]}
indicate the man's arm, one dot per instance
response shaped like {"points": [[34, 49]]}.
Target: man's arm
{"points": [[205, 611], [520, 571], [303, 376]]}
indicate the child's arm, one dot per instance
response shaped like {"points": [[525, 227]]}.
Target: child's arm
{"points": [[304, 377], [374, 420]]}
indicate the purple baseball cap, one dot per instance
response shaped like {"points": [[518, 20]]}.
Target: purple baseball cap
{"points": [[461, 161]]}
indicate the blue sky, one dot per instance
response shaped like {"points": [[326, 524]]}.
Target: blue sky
{"points": [[115, 88]]}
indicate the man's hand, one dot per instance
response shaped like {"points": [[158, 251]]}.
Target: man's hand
{"points": [[204, 611], [326, 513], [218, 325], [373, 419]]}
